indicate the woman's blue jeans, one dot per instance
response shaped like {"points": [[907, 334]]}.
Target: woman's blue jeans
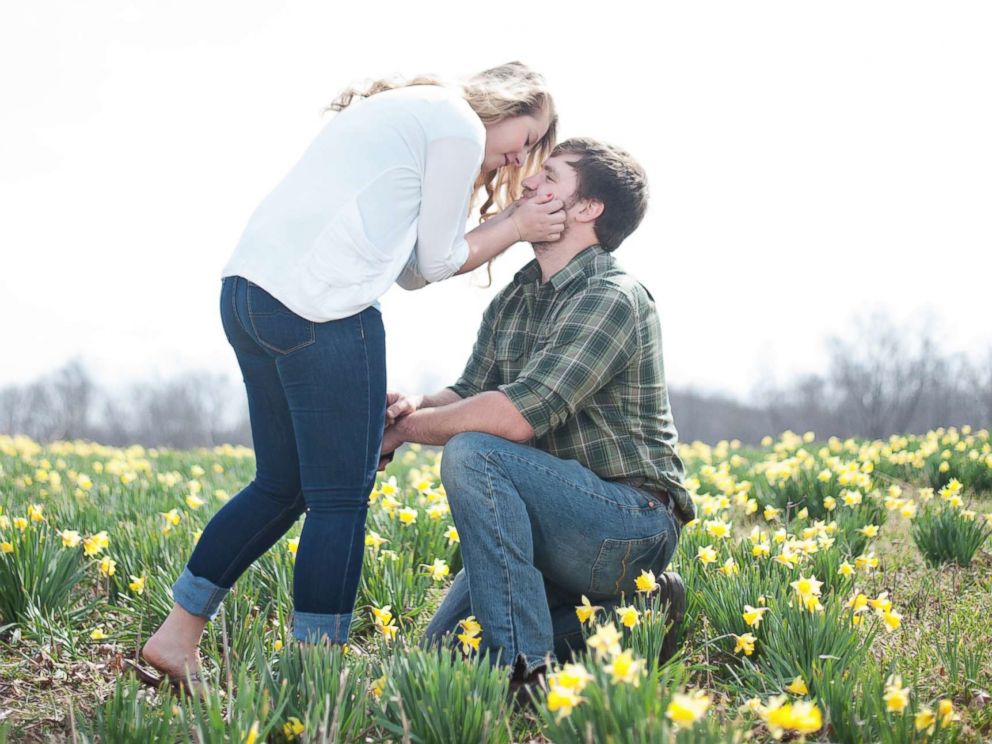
{"points": [[317, 402]]}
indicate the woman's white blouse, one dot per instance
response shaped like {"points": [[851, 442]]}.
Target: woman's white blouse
{"points": [[382, 194]]}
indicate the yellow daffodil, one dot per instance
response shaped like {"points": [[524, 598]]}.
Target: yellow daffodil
{"points": [[802, 717], [469, 642], [562, 701], [754, 615], [252, 734], [866, 561], [925, 720], [629, 616], [945, 711], [797, 687], [438, 569], [745, 643], [706, 554], [292, 728], [573, 676], [70, 538], [374, 540], [717, 528], [896, 696], [625, 668], [108, 566], [729, 567], [585, 611], [605, 641], [382, 615], [892, 620], [646, 582], [470, 625], [685, 709]]}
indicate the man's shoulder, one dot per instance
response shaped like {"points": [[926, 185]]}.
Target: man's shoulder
{"points": [[611, 281]]}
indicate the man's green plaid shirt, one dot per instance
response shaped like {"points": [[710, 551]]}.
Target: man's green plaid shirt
{"points": [[580, 358]]}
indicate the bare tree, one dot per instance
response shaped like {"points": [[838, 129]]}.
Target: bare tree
{"points": [[880, 375]]}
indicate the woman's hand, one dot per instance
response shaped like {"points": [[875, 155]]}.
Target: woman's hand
{"points": [[399, 405], [538, 219]]}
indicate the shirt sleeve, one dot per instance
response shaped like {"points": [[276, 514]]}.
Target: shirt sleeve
{"points": [[481, 373], [411, 278], [450, 171], [593, 341]]}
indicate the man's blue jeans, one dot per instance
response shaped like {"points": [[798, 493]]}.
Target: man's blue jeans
{"points": [[537, 533], [317, 402]]}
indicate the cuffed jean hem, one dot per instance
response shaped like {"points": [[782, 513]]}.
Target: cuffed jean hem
{"points": [[530, 663], [198, 596], [315, 626]]}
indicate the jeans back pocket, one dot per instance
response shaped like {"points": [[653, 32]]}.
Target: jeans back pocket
{"points": [[620, 562], [275, 326]]}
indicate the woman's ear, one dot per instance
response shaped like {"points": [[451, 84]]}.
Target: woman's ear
{"points": [[589, 210]]}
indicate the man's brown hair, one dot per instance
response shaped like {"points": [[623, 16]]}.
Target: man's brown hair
{"points": [[611, 176]]}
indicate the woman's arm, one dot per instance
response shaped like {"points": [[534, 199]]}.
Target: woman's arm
{"points": [[534, 220], [442, 248]]}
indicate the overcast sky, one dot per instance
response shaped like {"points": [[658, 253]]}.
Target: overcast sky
{"points": [[807, 161]]}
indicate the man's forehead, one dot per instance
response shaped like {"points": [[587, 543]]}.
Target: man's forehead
{"points": [[556, 162]]}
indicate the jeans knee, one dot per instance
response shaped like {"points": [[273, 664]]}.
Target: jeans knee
{"points": [[287, 495], [462, 456]]}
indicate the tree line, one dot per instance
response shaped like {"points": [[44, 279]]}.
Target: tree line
{"points": [[878, 380]]}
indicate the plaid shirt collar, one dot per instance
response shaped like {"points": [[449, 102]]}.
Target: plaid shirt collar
{"points": [[580, 265]]}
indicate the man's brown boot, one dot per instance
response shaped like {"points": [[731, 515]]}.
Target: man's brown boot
{"points": [[672, 594]]}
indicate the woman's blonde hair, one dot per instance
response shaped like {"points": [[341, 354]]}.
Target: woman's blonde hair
{"points": [[495, 94]]}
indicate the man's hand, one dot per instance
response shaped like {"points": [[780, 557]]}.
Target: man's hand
{"points": [[399, 405], [392, 439]]}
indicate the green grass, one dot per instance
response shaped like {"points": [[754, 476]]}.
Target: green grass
{"points": [[60, 682]]}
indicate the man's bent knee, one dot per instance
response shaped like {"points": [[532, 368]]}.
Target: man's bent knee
{"points": [[462, 455]]}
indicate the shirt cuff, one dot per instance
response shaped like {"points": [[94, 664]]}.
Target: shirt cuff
{"points": [[446, 269], [463, 389], [533, 401]]}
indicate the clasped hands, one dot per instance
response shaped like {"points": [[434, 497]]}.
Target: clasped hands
{"points": [[398, 406]]}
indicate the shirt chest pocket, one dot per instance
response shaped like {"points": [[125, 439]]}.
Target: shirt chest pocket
{"points": [[511, 354]]}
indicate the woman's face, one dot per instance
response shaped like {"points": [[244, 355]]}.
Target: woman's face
{"points": [[509, 141]]}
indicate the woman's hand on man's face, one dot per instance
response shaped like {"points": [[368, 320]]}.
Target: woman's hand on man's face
{"points": [[539, 218]]}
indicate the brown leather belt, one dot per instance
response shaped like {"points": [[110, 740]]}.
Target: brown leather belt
{"points": [[638, 483]]}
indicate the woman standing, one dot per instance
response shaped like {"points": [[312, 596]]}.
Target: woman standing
{"points": [[381, 195]]}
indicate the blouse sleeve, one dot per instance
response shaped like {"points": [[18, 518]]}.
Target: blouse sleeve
{"points": [[450, 170]]}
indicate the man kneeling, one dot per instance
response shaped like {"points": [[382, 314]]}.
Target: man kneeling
{"points": [[559, 461]]}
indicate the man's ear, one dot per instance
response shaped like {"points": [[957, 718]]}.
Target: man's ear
{"points": [[588, 210]]}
